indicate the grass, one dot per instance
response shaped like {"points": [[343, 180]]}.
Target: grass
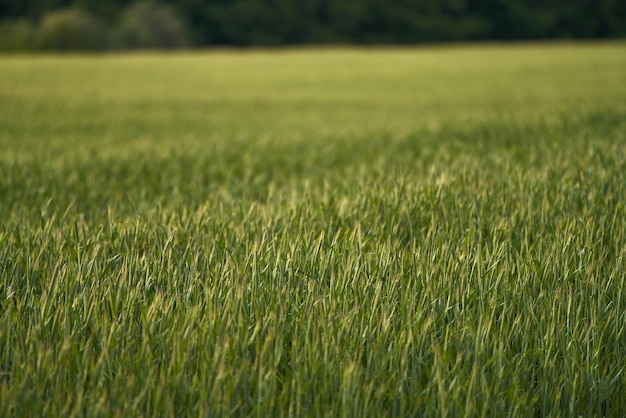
{"points": [[359, 232]]}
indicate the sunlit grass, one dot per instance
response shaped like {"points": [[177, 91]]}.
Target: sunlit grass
{"points": [[429, 231]]}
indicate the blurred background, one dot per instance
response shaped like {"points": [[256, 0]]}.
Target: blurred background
{"points": [[30, 25]]}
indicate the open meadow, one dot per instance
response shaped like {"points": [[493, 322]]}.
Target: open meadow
{"points": [[425, 231]]}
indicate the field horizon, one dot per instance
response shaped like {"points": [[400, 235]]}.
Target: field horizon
{"points": [[414, 231]]}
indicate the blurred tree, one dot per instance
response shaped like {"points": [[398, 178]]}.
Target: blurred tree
{"points": [[71, 29], [19, 35], [108, 10], [173, 23], [146, 25]]}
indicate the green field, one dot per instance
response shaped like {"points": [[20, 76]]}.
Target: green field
{"points": [[435, 231]]}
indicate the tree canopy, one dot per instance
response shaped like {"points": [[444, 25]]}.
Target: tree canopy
{"points": [[176, 23]]}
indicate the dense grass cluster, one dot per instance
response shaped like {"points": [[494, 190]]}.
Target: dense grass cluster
{"points": [[317, 233]]}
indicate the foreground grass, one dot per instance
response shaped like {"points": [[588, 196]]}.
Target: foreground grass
{"points": [[361, 233]]}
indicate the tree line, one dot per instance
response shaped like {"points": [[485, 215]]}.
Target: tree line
{"points": [[110, 24]]}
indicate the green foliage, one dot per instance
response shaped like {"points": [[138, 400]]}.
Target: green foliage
{"points": [[20, 35], [71, 29], [406, 232], [144, 25], [169, 23]]}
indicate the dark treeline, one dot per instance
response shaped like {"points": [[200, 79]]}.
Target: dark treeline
{"points": [[99, 24]]}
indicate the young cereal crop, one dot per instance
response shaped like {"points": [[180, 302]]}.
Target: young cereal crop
{"points": [[358, 232]]}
